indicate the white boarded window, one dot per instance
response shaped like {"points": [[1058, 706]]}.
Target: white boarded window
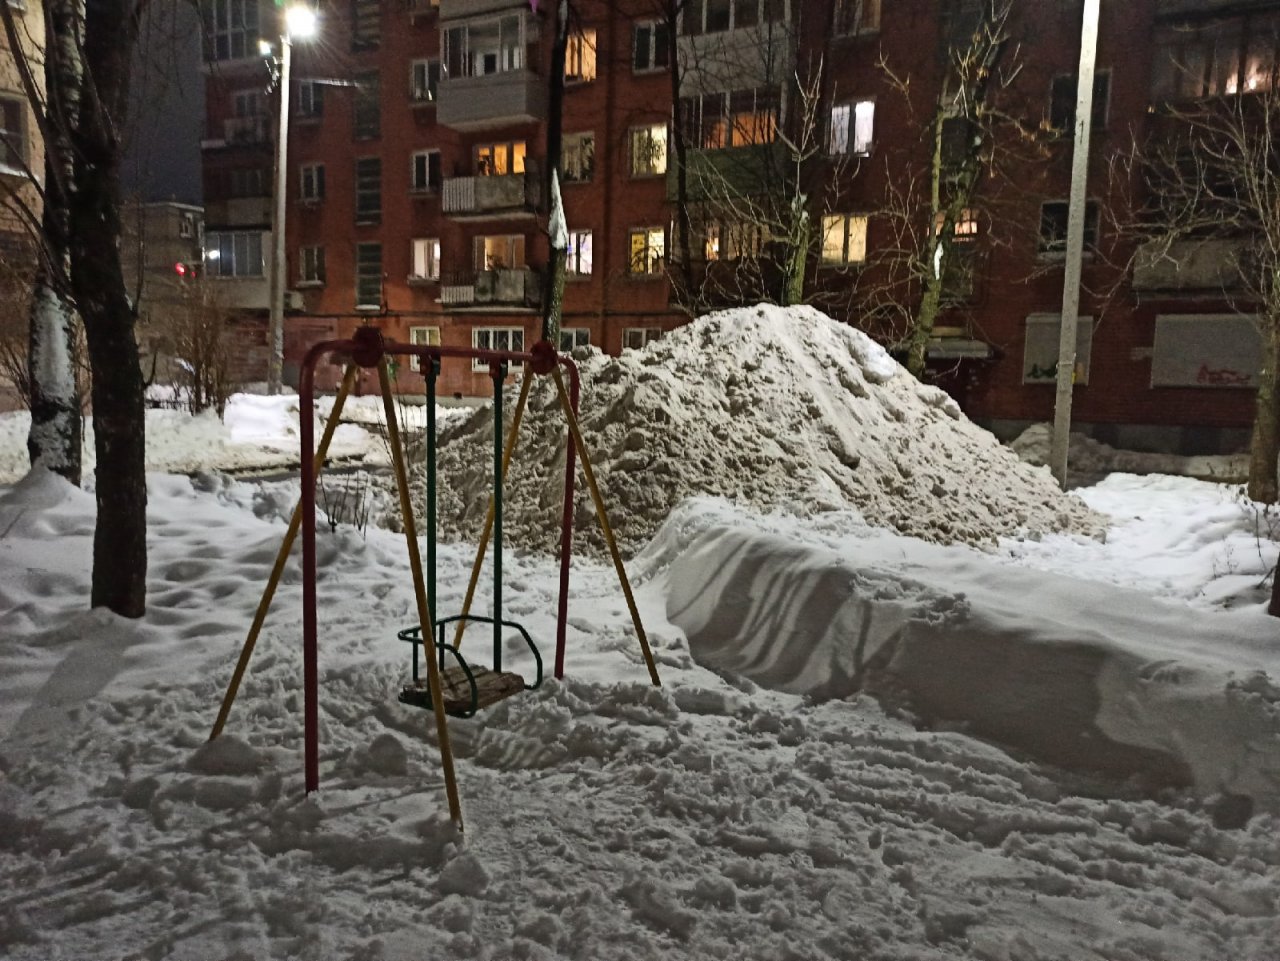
{"points": [[1206, 350], [1040, 356]]}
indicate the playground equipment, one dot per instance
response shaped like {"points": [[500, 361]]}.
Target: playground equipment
{"points": [[469, 688]]}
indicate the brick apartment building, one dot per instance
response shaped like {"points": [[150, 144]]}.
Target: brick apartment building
{"points": [[21, 157], [416, 198]]}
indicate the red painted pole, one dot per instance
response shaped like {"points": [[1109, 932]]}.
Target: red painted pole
{"points": [[310, 673], [566, 523]]}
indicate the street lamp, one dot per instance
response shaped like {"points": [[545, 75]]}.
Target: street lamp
{"points": [[300, 23]]}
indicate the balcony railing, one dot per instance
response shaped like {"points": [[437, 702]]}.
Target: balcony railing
{"points": [[515, 194], [247, 130], [507, 287]]}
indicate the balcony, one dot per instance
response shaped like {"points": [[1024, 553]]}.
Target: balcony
{"points": [[238, 212], [475, 198], [517, 287], [492, 100], [240, 132], [1204, 268]]}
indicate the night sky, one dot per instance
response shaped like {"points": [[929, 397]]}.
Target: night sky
{"points": [[162, 159]]}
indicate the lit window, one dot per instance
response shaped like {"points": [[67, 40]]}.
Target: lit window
{"points": [[580, 57], [852, 128], [500, 159], [578, 262], [649, 150], [422, 337], [648, 250], [966, 225], [499, 252], [426, 258], [844, 239], [577, 157]]}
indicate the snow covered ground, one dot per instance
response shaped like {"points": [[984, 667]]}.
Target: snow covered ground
{"points": [[865, 746]]}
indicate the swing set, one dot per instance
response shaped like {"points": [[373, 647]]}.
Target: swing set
{"points": [[462, 688]]}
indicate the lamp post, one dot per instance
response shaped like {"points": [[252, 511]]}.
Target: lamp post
{"points": [[300, 22]]}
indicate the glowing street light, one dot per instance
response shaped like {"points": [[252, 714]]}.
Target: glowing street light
{"points": [[299, 23]]}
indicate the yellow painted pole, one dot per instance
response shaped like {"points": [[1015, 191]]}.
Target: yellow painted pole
{"points": [[425, 621], [488, 521], [589, 474], [268, 594]]}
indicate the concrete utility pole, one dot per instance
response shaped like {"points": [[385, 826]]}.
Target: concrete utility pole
{"points": [[1075, 243]]}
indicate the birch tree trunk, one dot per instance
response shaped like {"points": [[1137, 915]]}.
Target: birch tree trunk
{"points": [[54, 438]]}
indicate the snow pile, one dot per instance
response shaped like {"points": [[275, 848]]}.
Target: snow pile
{"points": [[773, 408], [1091, 460]]}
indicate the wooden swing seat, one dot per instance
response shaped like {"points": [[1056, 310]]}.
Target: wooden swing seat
{"points": [[459, 701]]}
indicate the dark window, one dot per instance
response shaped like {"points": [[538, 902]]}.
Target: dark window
{"points": [[1062, 102], [13, 147], [649, 46], [691, 19], [857, 16], [310, 99], [368, 275], [366, 24], [424, 82], [426, 171], [1053, 227], [368, 190], [719, 15], [367, 120]]}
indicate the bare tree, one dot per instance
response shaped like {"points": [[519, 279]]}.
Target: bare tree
{"points": [[931, 220], [87, 68], [1211, 172]]}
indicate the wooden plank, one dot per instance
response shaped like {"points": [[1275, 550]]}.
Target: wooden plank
{"points": [[491, 687]]}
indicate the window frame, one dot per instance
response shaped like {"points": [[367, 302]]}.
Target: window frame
{"points": [[426, 92], [249, 239], [646, 336], [655, 263], [580, 148], [431, 259], [478, 334], [363, 277], [311, 183], [576, 336], [641, 137], [1049, 248], [14, 155], [574, 254], [365, 187], [581, 51], [848, 240], [1101, 104], [310, 104], [855, 18], [516, 252], [428, 183], [654, 29], [311, 266], [422, 335]]}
